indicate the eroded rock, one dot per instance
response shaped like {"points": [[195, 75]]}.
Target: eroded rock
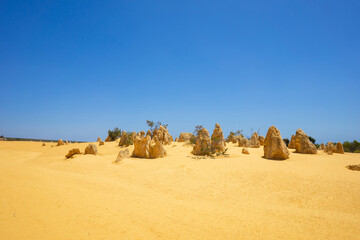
{"points": [[274, 146]]}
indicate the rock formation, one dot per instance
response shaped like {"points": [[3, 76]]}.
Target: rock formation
{"points": [[176, 139], [339, 148], [262, 140], [203, 143], [44, 144], [72, 152], [142, 133], [66, 142], [156, 149], [184, 137], [124, 140], [101, 143], [217, 140], [146, 148], [98, 139], [322, 147], [303, 144], [149, 133], [274, 146], [123, 154], [292, 142], [141, 147], [108, 139], [243, 142], [91, 149], [245, 151], [254, 141], [162, 135], [2, 138], [60, 142], [330, 148]]}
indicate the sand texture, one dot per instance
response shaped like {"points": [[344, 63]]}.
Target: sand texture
{"points": [[43, 195]]}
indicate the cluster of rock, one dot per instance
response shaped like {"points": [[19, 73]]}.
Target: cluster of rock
{"points": [[303, 144], [2, 138], [274, 146], [233, 138], [331, 148], [322, 146], [255, 141], [184, 137], [205, 145], [243, 142], [292, 142], [90, 149], [145, 147], [162, 135]]}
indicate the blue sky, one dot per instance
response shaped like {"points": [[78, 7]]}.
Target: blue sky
{"points": [[74, 69]]}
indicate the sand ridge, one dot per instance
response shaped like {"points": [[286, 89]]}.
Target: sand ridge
{"points": [[45, 196]]}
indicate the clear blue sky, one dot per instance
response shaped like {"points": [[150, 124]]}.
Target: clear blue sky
{"points": [[74, 69]]}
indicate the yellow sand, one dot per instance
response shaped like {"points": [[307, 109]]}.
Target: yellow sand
{"points": [[45, 196]]}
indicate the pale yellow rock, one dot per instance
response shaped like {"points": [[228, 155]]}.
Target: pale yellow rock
{"points": [[91, 149], [303, 144], [184, 137], [254, 141], [203, 143], [123, 154], [245, 151], [60, 142], [72, 152], [274, 146], [217, 140]]}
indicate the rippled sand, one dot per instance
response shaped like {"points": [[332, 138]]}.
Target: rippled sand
{"points": [[45, 196]]}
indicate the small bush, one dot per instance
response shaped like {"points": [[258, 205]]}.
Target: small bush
{"points": [[286, 141], [154, 126], [353, 146], [312, 139], [128, 139], [114, 134]]}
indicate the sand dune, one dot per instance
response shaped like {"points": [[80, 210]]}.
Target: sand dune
{"points": [[45, 196]]}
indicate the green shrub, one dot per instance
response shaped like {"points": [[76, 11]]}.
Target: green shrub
{"points": [[153, 126], [114, 134], [128, 139], [312, 139], [351, 146]]}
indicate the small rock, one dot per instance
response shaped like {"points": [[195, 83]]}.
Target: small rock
{"points": [[245, 151], [72, 152], [91, 149], [123, 154]]}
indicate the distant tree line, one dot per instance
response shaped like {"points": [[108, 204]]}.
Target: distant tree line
{"points": [[353, 146]]}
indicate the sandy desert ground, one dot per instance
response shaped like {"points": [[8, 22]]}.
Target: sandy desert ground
{"points": [[45, 196]]}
